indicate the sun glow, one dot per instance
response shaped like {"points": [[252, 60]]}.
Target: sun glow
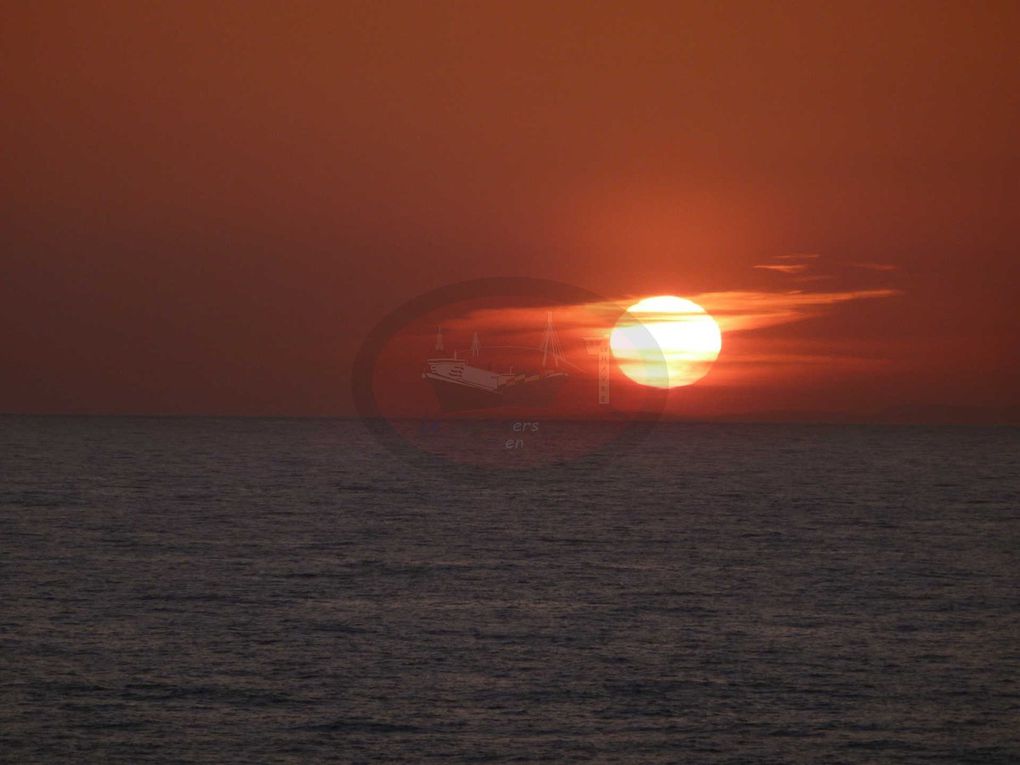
{"points": [[665, 342]]}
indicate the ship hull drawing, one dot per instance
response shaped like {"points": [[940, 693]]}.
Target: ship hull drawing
{"points": [[460, 386]]}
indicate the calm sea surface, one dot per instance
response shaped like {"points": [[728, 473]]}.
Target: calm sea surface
{"points": [[246, 590]]}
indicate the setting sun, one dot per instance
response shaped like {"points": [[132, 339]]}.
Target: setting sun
{"points": [[665, 342]]}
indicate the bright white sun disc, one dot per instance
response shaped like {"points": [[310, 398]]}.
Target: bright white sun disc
{"points": [[665, 342]]}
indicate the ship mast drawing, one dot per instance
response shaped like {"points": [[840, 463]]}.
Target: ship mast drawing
{"points": [[599, 346], [550, 343]]}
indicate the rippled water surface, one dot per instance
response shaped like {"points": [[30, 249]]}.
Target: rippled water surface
{"points": [[230, 590]]}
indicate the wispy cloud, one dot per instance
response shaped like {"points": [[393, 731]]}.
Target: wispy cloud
{"points": [[734, 310], [783, 268], [745, 310], [790, 265]]}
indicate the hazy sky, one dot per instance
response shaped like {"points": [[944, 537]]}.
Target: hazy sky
{"points": [[206, 206]]}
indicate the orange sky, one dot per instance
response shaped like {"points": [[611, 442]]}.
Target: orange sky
{"points": [[206, 206]]}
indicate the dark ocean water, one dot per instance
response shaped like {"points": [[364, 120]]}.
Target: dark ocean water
{"points": [[232, 590]]}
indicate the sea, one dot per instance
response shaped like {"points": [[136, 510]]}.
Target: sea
{"points": [[220, 590]]}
